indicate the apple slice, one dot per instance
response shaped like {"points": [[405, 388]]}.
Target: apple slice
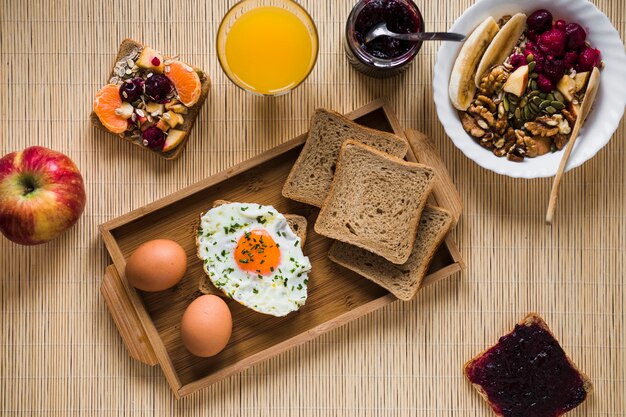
{"points": [[163, 125], [174, 138], [171, 118], [574, 109], [566, 86], [151, 59], [125, 110], [155, 109], [517, 81], [580, 79], [179, 108]]}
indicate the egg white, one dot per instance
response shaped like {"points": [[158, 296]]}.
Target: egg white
{"points": [[282, 291]]}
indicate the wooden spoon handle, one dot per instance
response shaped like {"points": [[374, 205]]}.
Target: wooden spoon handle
{"points": [[554, 193], [590, 96]]}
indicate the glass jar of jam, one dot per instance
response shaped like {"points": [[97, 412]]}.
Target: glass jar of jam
{"points": [[383, 57]]}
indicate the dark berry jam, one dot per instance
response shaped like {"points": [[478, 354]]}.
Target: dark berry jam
{"points": [[528, 374], [398, 16]]}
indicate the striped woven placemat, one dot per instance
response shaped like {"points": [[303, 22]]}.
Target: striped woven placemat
{"points": [[60, 353]]}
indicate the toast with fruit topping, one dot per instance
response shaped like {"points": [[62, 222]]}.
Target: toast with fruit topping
{"points": [[527, 373], [151, 100]]}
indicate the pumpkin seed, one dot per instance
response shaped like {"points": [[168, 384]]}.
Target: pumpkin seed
{"points": [[518, 113], [558, 105], [550, 97], [531, 66], [543, 95], [533, 84], [559, 97], [537, 100], [530, 58], [550, 110], [505, 102], [535, 107], [545, 104], [527, 114], [534, 75], [533, 93]]}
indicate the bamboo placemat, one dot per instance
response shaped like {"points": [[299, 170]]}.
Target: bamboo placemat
{"points": [[60, 353]]}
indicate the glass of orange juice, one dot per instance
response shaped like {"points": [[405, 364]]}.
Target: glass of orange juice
{"points": [[267, 47]]}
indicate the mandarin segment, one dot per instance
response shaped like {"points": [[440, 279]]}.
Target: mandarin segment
{"points": [[186, 82], [107, 105]]}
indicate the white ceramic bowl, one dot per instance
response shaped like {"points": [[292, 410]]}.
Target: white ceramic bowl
{"points": [[604, 117]]}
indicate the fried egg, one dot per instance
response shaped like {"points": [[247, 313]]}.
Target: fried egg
{"points": [[251, 254]]}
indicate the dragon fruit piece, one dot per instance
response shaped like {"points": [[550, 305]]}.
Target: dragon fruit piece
{"points": [[153, 137], [517, 60], [539, 21], [576, 36], [570, 60], [588, 59], [553, 42], [544, 84], [532, 35], [554, 69]]}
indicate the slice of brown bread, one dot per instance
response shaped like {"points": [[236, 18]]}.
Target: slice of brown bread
{"points": [[529, 320], [404, 280], [298, 225], [375, 202], [128, 47], [311, 176]]}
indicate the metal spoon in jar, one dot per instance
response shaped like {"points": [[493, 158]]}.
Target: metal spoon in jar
{"points": [[381, 30]]}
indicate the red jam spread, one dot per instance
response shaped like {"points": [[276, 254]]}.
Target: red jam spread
{"points": [[528, 374], [399, 17]]}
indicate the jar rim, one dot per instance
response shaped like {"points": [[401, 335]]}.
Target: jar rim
{"points": [[370, 59]]}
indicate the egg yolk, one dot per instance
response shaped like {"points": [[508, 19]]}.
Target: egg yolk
{"points": [[257, 252]]}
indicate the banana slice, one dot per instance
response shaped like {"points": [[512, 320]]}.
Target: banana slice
{"points": [[462, 88], [501, 45]]}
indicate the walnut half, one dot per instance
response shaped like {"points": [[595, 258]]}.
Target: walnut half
{"points": [[471, 126]]}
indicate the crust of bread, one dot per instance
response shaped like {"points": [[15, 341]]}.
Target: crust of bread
{"points": [[127, 47], [293, 192], [412, 226], [404, 280]]}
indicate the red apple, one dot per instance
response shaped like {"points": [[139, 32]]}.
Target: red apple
{"points": [[42, 194]]}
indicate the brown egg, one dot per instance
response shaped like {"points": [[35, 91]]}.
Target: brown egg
{"points": [[156, 265], [206, 326]]}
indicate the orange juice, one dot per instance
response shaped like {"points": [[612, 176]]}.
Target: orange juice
{"points": [[269, 50]]}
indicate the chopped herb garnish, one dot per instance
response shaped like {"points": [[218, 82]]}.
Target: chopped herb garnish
{"points": [[244, 208], [254, 290]]}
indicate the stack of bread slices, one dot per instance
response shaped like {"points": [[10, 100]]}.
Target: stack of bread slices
{"points": [[372, 202]]}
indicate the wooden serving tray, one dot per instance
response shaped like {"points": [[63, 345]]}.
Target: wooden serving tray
{"points": [[149, 322]]}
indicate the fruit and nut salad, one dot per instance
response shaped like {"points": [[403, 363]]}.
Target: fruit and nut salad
{"points": [[148, 97], [521, 81]]}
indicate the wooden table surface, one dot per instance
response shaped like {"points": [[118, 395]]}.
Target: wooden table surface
{"points": [[60, 354]]}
